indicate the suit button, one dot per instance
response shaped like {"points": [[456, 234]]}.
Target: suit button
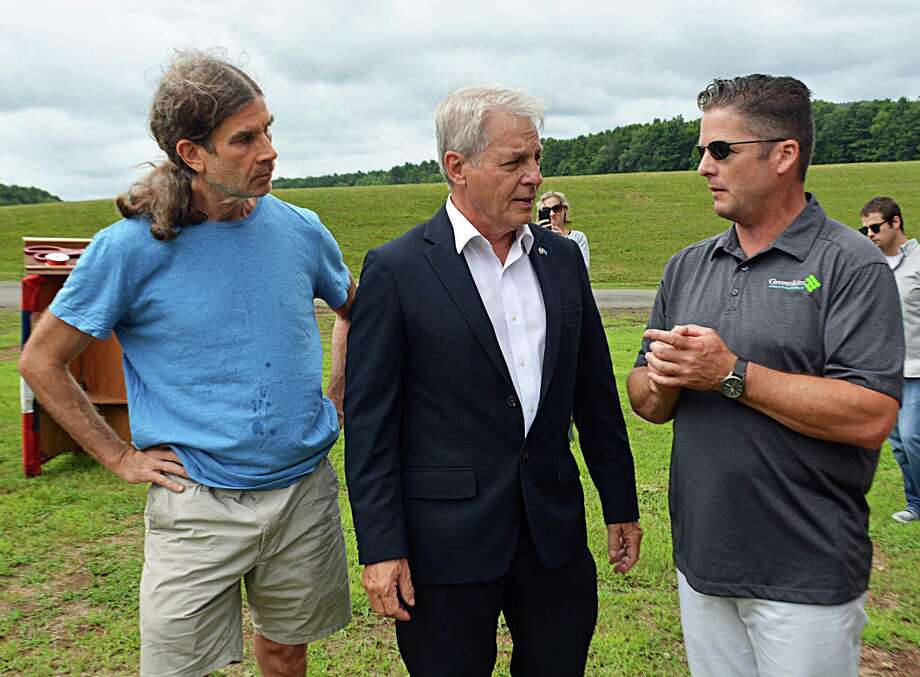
{"points": [[524, 456], [511, 401]]}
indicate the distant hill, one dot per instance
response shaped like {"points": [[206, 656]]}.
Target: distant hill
{"points": [[22, 195], [634, 222], [861, 131]]}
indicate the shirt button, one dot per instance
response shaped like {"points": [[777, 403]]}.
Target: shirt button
{"points": [[744, 267], [511, 401], [735, 292]]}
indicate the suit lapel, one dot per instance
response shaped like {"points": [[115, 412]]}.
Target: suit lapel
{"points": [[455, 275], [544, 265]]}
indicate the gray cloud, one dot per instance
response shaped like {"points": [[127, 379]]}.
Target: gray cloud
{"points": [[353, 86]]}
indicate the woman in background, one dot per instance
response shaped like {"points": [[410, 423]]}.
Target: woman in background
{"points": [[559, 219]]}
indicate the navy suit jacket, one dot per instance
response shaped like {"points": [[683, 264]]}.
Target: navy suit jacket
{"points": [[437, 464]]}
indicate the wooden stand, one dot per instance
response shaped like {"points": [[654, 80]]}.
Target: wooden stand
{"points": [[97, 369]]}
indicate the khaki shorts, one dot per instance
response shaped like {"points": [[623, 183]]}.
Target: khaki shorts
{"points": [[285, 543]]}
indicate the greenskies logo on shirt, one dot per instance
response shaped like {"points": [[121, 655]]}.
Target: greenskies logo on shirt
{"points": [[809, 284]]}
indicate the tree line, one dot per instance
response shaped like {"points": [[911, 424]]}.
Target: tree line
{"points": [[24, 195], [423, 172], [861, 131]]}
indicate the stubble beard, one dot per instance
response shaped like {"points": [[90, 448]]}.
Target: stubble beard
{"points": [[235, 192]]}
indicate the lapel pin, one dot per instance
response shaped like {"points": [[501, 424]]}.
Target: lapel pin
{"points": [[541, 251]]}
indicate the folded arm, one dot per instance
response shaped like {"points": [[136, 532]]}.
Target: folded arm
{"points": [[653, 402], [825, 408]]}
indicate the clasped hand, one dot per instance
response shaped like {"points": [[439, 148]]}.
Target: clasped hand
{"points": [[688, 356]]}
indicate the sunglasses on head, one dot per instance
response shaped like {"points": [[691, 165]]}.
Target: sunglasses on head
{"points": [[874, 227], [719, 150]]}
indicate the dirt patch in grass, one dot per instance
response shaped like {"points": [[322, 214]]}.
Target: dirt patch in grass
{"points": [[7, 607], [66, 625], [881, 600], [131, 537], [16, 598], [368, 630], [875, 662], [879, 562], [74, 581]]}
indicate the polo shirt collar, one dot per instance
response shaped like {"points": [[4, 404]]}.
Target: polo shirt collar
{"points": [[464, 231], [728, 243], [796, 240]]}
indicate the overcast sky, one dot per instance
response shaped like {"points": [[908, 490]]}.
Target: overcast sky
{"points": [[353, 85]]}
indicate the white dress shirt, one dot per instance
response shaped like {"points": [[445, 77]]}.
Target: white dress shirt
{"points": [[514, 302]]}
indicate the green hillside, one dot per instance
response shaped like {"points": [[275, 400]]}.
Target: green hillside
{"points": [[634, 222]]}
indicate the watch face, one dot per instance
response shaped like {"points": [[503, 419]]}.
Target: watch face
{"points": [[733, 386]]}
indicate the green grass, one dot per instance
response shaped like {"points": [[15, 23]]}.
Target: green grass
{"points": [[71, 554], [634, 222]]}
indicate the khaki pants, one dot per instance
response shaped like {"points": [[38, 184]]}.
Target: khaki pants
{"points": [[285, 543]]}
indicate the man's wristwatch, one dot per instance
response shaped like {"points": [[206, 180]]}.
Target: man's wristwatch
{"points": [[733, 384]]}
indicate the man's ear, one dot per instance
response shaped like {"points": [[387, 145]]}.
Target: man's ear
{"points": [[190, 152], [788, 156], [454, 165], [896, 222]]}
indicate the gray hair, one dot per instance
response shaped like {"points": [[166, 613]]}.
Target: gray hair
{"points": [[771, 106], [460, 116], [197, 92], [562, 200]]}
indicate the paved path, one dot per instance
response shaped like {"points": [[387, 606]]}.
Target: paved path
{"points": [[9, 295], [606, 298], [625, 298]]}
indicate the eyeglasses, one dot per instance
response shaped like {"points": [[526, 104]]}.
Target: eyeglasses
{"points": [[555, 209], [719, 150], [874, 227]]}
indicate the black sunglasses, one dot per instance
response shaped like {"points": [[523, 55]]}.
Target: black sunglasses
{"points": [[555, 209], [874, 227], [719, 150]]}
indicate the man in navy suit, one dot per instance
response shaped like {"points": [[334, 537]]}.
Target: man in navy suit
{"points": [[475, 337]]}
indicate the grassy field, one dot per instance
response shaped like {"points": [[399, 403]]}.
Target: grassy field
{"points": [[634, 222], [71, 555]]}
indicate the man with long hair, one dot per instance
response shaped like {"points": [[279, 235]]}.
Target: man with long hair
{"points": [[208, 283]]}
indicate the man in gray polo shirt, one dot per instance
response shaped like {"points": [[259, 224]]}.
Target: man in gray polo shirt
{"points": [[764, 348], [884, 225]]}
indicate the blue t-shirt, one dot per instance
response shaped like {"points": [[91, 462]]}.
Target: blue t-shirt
{"points": [[222, 354]]}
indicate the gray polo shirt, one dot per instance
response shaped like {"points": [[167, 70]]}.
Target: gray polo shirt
{"points": [[757, 509], [907, 275]]}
